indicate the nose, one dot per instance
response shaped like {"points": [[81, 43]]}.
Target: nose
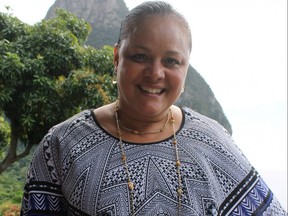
{"points": [[155, 71]]}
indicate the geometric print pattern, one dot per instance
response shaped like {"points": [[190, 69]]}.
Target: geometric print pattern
{"points": [[44, 199], [251, 197], [77, 170]]}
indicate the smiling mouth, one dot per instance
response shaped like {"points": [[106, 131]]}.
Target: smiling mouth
{"points": [[152, 90]]}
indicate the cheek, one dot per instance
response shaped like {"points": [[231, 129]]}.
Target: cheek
{"points": [[125, 75], [128, 70], [179, 79]]}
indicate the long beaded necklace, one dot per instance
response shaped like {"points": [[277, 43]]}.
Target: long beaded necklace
{"points": [[124, 160]]}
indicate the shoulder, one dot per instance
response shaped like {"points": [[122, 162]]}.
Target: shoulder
{"points": [[45, 163], [195, 120], [78, 121], [205, 130], [213, 141], [68, 133]]}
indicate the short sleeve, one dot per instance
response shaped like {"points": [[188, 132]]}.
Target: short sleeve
{"points": [[42, 191]]}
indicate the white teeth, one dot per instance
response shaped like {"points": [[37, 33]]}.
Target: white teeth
{"points": [[151, 90]]}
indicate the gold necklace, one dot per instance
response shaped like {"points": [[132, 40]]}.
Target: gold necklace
{"points": [[135, 132], [124, 161]]}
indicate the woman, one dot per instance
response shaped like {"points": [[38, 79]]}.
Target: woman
{"points": [[142, 155]]}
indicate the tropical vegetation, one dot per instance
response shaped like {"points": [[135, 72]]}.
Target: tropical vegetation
{"points": [[47, 74]]}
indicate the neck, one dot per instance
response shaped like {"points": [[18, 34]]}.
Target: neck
{"points": [[142, 125]]}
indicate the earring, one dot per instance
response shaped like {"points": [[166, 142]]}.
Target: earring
{"points": [[182, 90], [114, 79]]}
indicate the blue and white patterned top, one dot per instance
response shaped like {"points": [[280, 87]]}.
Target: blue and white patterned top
{"points": [[77, 170]]}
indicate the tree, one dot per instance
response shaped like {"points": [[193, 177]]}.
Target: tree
{"points": [[47, 74]]}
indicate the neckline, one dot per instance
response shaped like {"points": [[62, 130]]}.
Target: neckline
{"points": [[135, 143]]}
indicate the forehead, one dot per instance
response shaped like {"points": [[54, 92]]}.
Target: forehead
{"points": [[160, 30]]}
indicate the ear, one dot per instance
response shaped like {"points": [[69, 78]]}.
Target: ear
{"points": [[116, 55]]}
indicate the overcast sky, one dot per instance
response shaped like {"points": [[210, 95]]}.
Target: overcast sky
{"points": [[240, 49]]}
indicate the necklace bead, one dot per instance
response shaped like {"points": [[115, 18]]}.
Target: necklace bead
{"points": [[130, 185], [124, 157]]}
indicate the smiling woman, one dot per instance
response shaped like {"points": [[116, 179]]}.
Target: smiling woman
{"points": [[252, 47], [141, 154], [222, 53], [146, 69]]}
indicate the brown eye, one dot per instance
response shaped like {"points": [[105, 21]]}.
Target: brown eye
{"points": [[171, 62], [139, 57]]}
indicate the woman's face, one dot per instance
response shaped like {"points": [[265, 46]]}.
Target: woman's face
{"points": [[151, 65]]}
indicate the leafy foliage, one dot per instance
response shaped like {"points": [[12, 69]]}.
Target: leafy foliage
{"points": [[12, 183], [47, 75], [4, 136], [11, 186], [11, 27], [9, 209]]}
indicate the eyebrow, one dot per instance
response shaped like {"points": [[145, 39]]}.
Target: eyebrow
{"points": [[168, 51]]}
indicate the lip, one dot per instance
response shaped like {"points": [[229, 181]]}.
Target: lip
{"points": [[151, 90]]}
